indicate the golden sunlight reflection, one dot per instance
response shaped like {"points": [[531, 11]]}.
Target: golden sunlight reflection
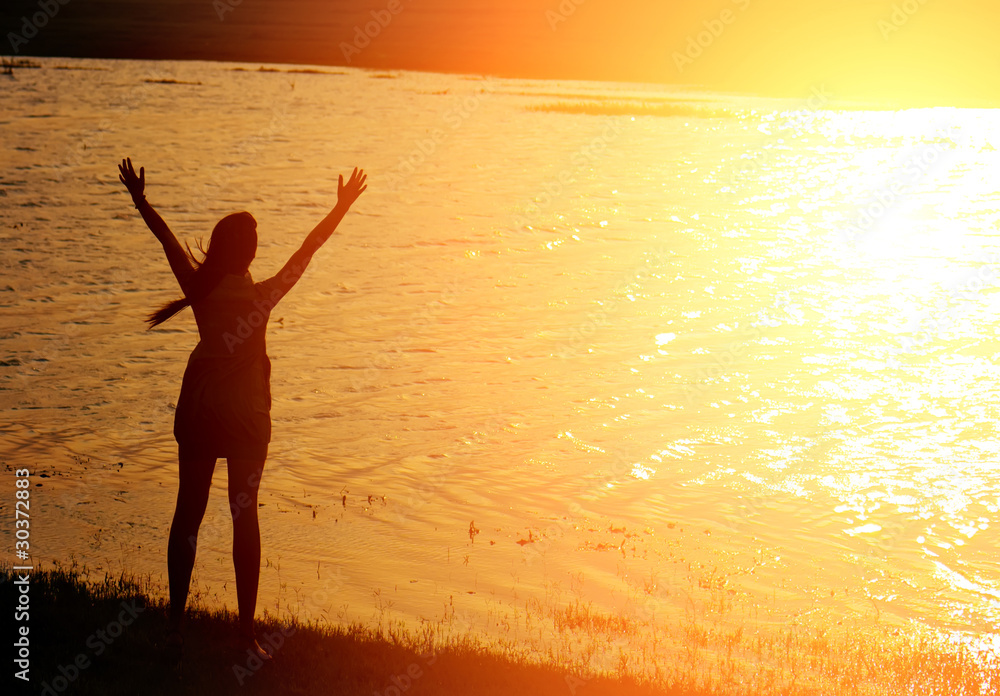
{"points": [[719, 392]]}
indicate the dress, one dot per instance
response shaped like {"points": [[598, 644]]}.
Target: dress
{"points": [[224, 408]]}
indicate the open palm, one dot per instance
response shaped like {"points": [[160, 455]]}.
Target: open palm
{"points": [[349, 192], [135, 184]]}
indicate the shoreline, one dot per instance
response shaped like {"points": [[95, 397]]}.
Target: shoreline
{"points": [[318, 65], [106, 637]]}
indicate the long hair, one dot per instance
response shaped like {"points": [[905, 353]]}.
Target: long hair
{"points": [[230, 250]]}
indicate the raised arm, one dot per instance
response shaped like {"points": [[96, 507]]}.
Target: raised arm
{"points": [[179, 262], [290, 273]]}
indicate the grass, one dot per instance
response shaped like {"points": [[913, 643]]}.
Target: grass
{"points": [[564, 648], [70, 618]]}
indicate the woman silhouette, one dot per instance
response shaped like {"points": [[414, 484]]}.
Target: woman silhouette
{"points": [[224, 405]]}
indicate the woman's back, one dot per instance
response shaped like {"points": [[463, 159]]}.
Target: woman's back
{"points": [[232, 318]]}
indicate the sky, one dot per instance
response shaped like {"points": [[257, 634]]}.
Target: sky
{"points": [[933, 51]]}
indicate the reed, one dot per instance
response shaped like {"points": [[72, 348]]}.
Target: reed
{"points": [[538, 647]]}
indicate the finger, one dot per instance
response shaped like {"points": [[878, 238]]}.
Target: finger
{"points": [[122, 179], [142, 174]]}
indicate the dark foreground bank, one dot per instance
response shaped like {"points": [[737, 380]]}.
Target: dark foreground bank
{"points": [[107, 638]]}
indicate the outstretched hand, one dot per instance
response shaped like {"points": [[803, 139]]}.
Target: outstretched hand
{"points": [[349, 192], [134, 184]]}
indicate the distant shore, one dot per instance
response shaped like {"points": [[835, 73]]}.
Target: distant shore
{"points": [[534, 39]]}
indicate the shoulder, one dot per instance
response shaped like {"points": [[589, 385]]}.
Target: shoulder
{"points": [[269, 289], [185, 278]]}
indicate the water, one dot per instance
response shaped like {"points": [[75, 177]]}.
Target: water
{"points": [[695, 346]]}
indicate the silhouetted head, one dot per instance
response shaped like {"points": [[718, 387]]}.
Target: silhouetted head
{"points": [[230, 250], [233, 244]]}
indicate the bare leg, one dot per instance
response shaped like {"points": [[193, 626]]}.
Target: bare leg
{"points": [[244, 480], [192, 498]]}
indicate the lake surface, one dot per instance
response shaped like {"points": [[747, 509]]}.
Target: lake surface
{"points": [[650, 351]]}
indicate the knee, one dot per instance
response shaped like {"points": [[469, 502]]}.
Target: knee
{"points": [[246, 532], [190, 508], [187, 518], [242, 505], [182, 538]]}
